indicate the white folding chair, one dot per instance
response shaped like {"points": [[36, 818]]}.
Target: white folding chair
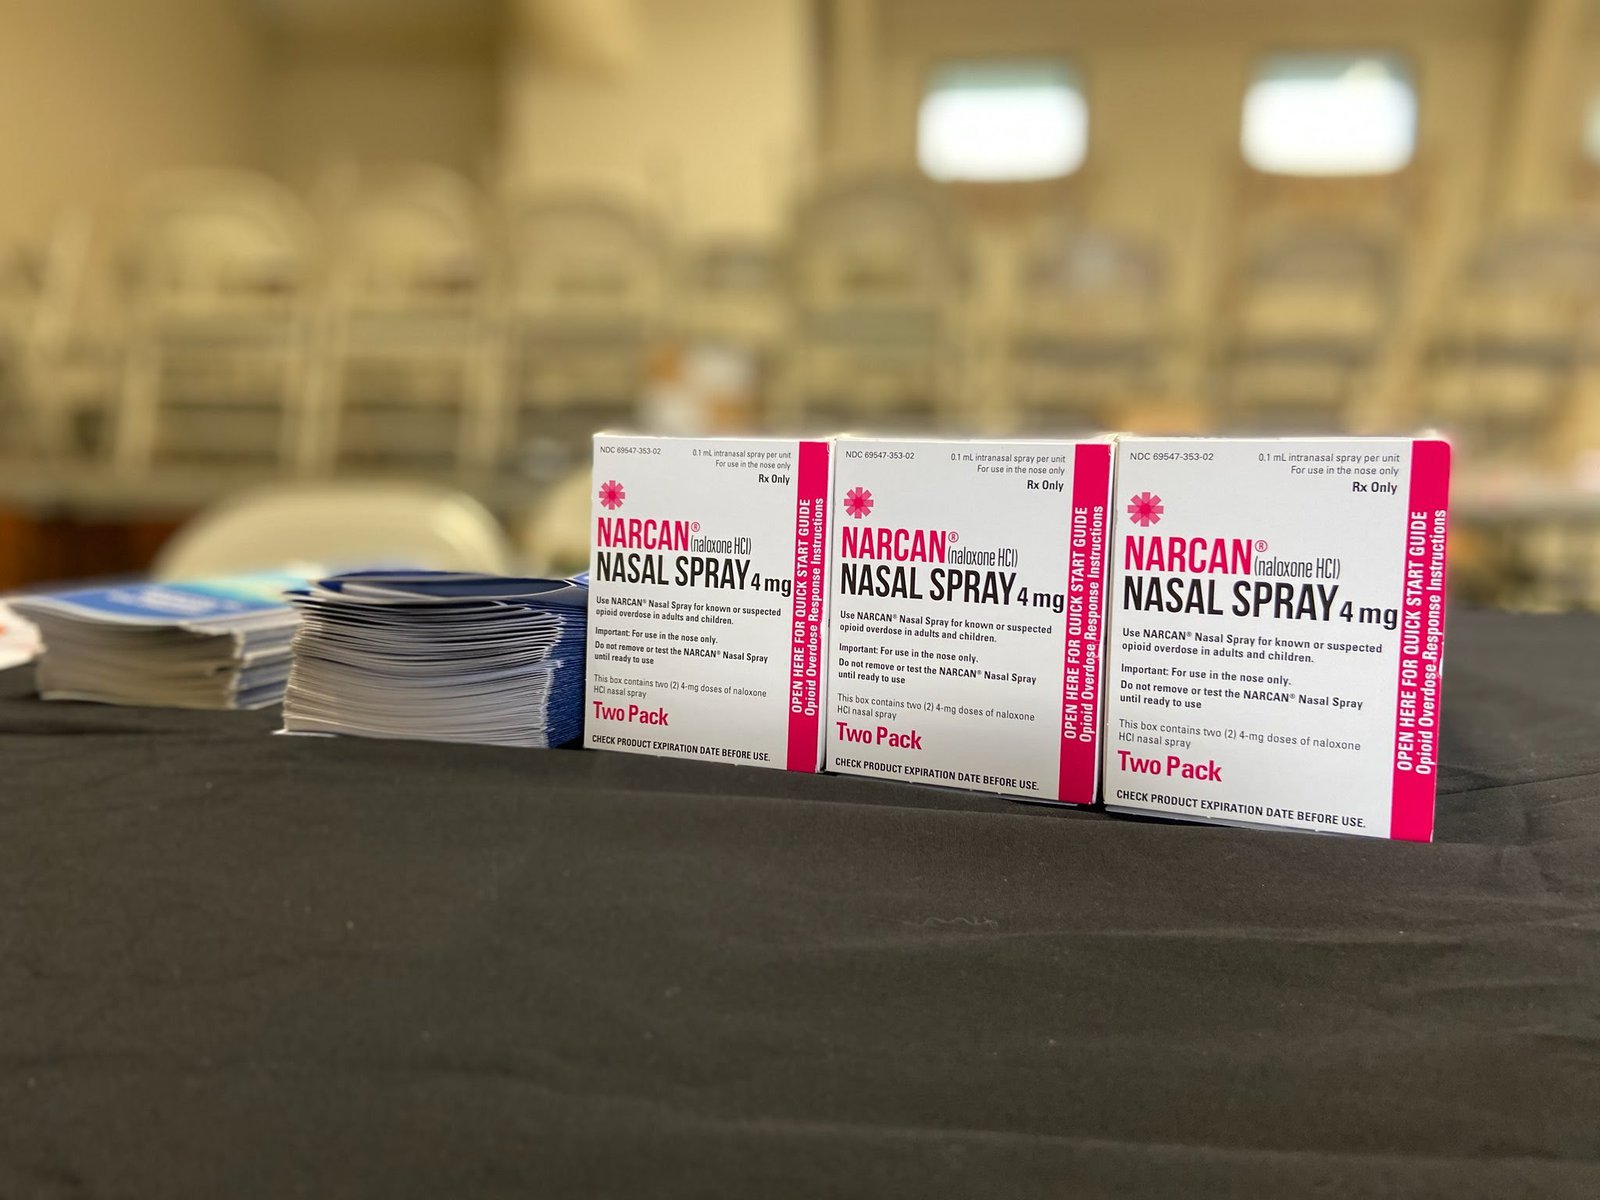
{"points": [[219, 275], [879, 274], [332, 526], [1087, 328], [1507, 368], [1306, 317], [583, 306], [410, 348], [553, 537]]}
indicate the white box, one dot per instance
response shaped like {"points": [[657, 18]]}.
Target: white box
{"points": [[968, 591], [1276, 632], [708, 598]]}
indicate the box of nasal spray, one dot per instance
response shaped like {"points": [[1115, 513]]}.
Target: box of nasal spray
{"points": [[968, 591], [708, 600], [1277, 632]]}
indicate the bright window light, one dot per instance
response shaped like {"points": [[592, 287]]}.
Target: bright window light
{"points": [[1591, 129], [997, 122], [1330, 114]]}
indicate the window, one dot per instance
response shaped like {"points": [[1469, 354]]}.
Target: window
{"points": [[1591, 129], [1330, 114], [994, 122]]}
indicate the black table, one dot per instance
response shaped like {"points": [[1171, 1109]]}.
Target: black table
{"points": [[235, 965]]}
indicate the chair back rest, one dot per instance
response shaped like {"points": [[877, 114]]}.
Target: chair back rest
{"points": [[408, 235], [878, 242], [198, 240], [333, 526], [582, 256], [1089, 283], [1316, 282]]}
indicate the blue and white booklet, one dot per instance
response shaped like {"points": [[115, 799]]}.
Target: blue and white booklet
{"points": [[441, 656], [212, 643]]}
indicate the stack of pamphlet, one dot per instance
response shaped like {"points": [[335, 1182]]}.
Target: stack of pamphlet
{"points": [[442, 656], [19, 639], [215, 643]]}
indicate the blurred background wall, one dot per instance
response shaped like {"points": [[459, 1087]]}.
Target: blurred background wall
{"points": [[251, 242], [401, 80], [96, 93], [703, 108]]}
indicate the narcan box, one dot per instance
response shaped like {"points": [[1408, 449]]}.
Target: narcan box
{"points": [[1276, 632], [968, 595], [708, 598]]}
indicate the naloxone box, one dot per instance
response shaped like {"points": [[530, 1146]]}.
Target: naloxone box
{"points": [[1277, 632], [968, 592], [708, 598]]}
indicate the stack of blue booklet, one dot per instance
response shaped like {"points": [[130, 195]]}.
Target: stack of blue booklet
{"points": [[214, 643], [440, 655]]}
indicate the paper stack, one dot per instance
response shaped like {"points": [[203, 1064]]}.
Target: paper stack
{"points": [[19, 639], [216, 643], [442, 656]]}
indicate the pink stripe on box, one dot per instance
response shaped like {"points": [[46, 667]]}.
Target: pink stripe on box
{"points": [[1416, 721], [1086, 581], [810, 585]]}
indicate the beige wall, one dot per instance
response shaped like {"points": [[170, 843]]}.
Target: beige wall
{"points": [[338, 106], [94, 93], [711, 109], [709, 117], [1166, 80]]}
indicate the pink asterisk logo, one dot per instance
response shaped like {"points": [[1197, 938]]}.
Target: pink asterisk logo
{"points": [[612, 494], [1145, 509], [858, 502]]}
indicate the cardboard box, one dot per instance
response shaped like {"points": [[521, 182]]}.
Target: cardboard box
{"points": [[968, 593], [708, 598], [1276, 634]]}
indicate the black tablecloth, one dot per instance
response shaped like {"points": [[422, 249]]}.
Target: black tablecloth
{"points": [[234, 965]]}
